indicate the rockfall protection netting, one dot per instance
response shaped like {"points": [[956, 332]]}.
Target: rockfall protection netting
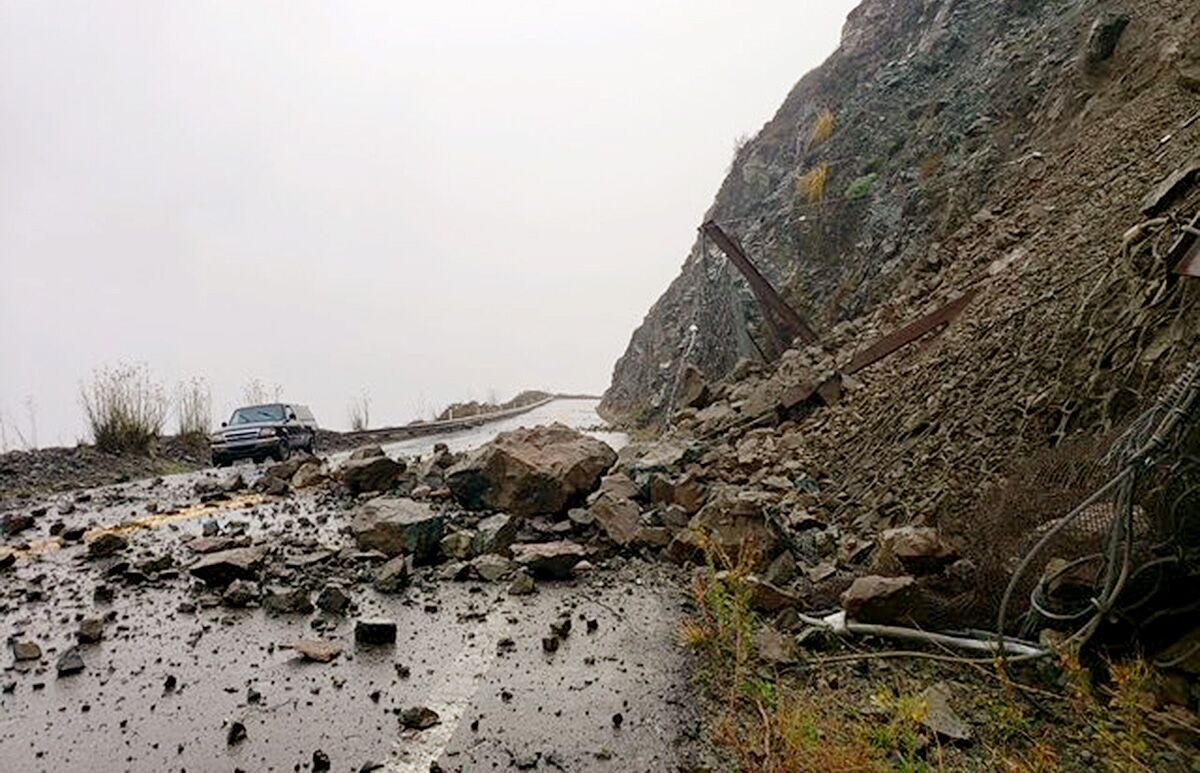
{"points": [[1094, 533]]}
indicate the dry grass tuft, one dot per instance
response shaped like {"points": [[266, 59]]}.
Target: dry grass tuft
{"points": [[822, 130], [257, 392], [812, 184], [764, 724], [360, 412], [193, 407], [125, 409]]}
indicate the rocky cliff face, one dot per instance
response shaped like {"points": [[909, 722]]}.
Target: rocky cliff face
{"points": [[950, 119]]}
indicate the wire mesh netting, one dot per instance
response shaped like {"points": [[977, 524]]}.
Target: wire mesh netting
{"points": [[1096, 530]]}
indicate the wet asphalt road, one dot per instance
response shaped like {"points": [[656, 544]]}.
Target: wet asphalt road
{"points": [[160, 690]]}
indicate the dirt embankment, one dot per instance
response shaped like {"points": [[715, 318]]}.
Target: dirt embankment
{"points": [[25, 474]]}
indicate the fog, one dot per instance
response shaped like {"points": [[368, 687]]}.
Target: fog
{"points": [[426, 201]]}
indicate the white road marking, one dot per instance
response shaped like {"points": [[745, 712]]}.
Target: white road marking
{"points": [[458, 685]]}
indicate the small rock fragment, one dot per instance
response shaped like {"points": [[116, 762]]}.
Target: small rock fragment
{"points": [[369, 473], [876, 599], [91, 630], [522, 585], [419, 718], [491, 567], [495, 534], [223, 567], [317, 650], [236, 733], [940, 718], [375, 631], [457, 544], [552, 560], [240, 593], [392, 577], [70, 662], [287, 601], [107, 544], [15, 523], [333, 599], [26, 650]]}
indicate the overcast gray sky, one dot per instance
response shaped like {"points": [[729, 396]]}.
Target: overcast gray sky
{"points": [[427, 200]]}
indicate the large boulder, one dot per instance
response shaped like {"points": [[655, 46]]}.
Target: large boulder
{"points": [[734, 521], [396, 525], [371, 473], [620, 518], [531, 471], [223, 567]]}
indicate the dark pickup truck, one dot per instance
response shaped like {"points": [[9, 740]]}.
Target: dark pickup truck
{"points": [[266, 431]]}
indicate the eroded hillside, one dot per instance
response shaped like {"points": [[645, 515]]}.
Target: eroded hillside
{"points": [[963, 133]]}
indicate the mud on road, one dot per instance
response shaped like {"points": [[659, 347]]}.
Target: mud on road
{"points": [[176, 676]]}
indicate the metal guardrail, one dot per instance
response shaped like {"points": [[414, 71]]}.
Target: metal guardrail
{"points": [[422, 428]]}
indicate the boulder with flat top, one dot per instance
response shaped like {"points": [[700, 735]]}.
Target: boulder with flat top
{"points": [[538, 471], [398, 525]]}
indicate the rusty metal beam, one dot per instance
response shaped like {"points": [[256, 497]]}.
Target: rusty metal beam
{"points": [[906, 335], [783, 319]]}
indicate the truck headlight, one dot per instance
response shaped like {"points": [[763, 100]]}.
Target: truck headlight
{"points": [[216, 437], [266, 432]]}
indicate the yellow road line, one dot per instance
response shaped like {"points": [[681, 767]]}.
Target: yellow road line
{"points": [[51, 544]]}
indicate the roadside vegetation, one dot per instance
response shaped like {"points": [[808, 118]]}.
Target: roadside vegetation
{"points": [[822, 129], [836, 706], [11, 435], [193, 407], [360, 412], [257, 392], [125, 408], [812, 184]]}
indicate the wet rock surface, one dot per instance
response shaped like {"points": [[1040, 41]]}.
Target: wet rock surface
{"points": [[248, 632], [396, 525], [527, 472]]}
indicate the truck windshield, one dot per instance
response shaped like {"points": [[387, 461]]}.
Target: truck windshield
{"points": [[256, 414]]}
